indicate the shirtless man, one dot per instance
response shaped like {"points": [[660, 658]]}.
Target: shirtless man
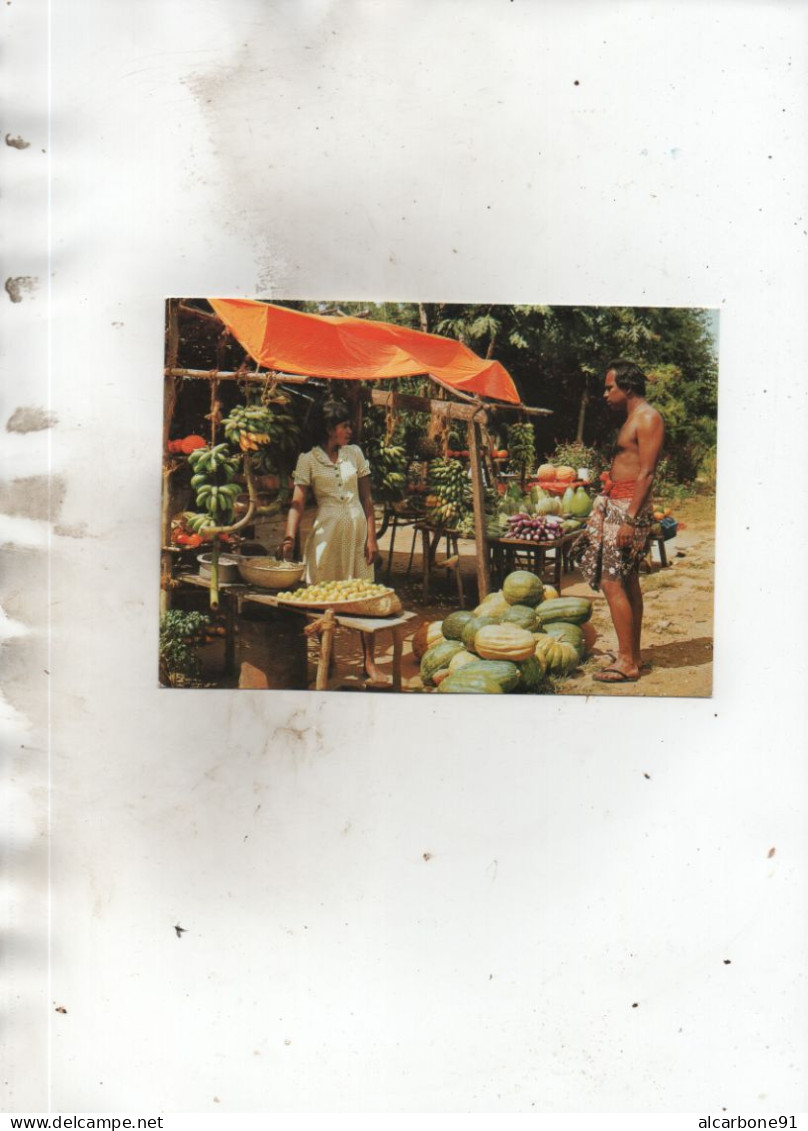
{"points": [[617, 531]]}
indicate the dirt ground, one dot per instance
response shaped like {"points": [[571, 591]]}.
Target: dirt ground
{"points": [[677, 632]]}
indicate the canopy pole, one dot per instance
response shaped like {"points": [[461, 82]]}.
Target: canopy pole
{"points": [[478, 503], [170, 393]]}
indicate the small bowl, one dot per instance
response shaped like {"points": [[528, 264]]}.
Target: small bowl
{"points": [[228, 567], [269, 573]]}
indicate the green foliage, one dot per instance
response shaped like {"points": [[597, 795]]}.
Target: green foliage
{"points": [[557, 356], [180, 636]]}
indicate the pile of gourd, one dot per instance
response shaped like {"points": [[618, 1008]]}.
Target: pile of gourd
{"points": [[512, 641]]}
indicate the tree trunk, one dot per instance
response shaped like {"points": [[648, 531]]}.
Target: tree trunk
{"points": [[579, 434]]}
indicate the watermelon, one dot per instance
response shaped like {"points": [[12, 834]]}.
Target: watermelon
{"points": [[453, 625], [438, 657], [531, 675], [523, 588], [523, 616], [503, 671], [575, 610], [469, 683], [494, 605]]}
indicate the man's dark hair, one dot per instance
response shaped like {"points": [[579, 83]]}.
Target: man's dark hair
{"points": [[628, 376], [332, 413]]}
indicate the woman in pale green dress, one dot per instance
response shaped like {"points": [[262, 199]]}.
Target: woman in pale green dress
{"points": [[342, 540]]}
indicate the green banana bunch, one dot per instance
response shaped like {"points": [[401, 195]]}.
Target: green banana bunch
{"points": [[198, 523], [214, 482], [522, 449], [388, 464], [253, 427], [218, 500], [449, 492], [447, 478], [206, 461]]}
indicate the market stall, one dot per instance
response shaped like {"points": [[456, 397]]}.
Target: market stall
{"points": [[291, 350]]}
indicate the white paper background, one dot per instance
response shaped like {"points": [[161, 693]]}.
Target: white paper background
{"points": [[432, 150]]}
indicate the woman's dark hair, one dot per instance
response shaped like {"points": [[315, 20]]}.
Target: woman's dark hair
{"points": [[331, 413], [628, 376]]}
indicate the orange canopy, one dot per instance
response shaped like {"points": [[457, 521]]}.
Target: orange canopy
{"points": [[346, 348]]}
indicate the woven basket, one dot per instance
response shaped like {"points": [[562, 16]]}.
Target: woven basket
{"points": [[385, 605]]}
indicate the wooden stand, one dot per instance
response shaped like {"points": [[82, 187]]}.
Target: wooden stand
{"points": [[505, 551]]}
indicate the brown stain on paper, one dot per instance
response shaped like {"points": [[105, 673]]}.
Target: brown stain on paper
{"points": [[37, 496], [18, 284], [30, 418]]}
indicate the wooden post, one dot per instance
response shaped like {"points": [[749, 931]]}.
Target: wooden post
{"points": [[329, 625], [170, 392], [478, 502]]}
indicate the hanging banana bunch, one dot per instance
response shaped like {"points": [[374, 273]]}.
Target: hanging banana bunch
{"points": [[388, 468], [270, 430], [449, 492], [214, 484]]}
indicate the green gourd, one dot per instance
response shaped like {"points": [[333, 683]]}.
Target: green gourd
{"points": [[556, 656], [563, 630], [581, 505], [471, 629]]}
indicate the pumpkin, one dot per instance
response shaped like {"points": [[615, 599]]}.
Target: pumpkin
{"points": [[537, 493], [590, 636], [565, 474], [522, 615], [454, 624], [523, 588], [470, 683], [494, 605], [567, 501], [576, 610], [550, 593], [572, 633], [581, 506], [471, 629], [546, 471], [557, 657], [503, 642], [505, 672], [429, 633], [438, 657], [549, 505], [531, 675], [460, 659], [440, 676]]}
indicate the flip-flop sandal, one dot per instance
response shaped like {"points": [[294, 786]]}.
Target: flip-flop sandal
{"points": [[645, 667], [621, 676]]}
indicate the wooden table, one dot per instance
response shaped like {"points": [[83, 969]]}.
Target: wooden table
{"points": [[505, 552], [371, 625], [234, 594]]}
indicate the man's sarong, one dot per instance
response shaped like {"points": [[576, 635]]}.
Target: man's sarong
{"points": [[601, 559]]}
